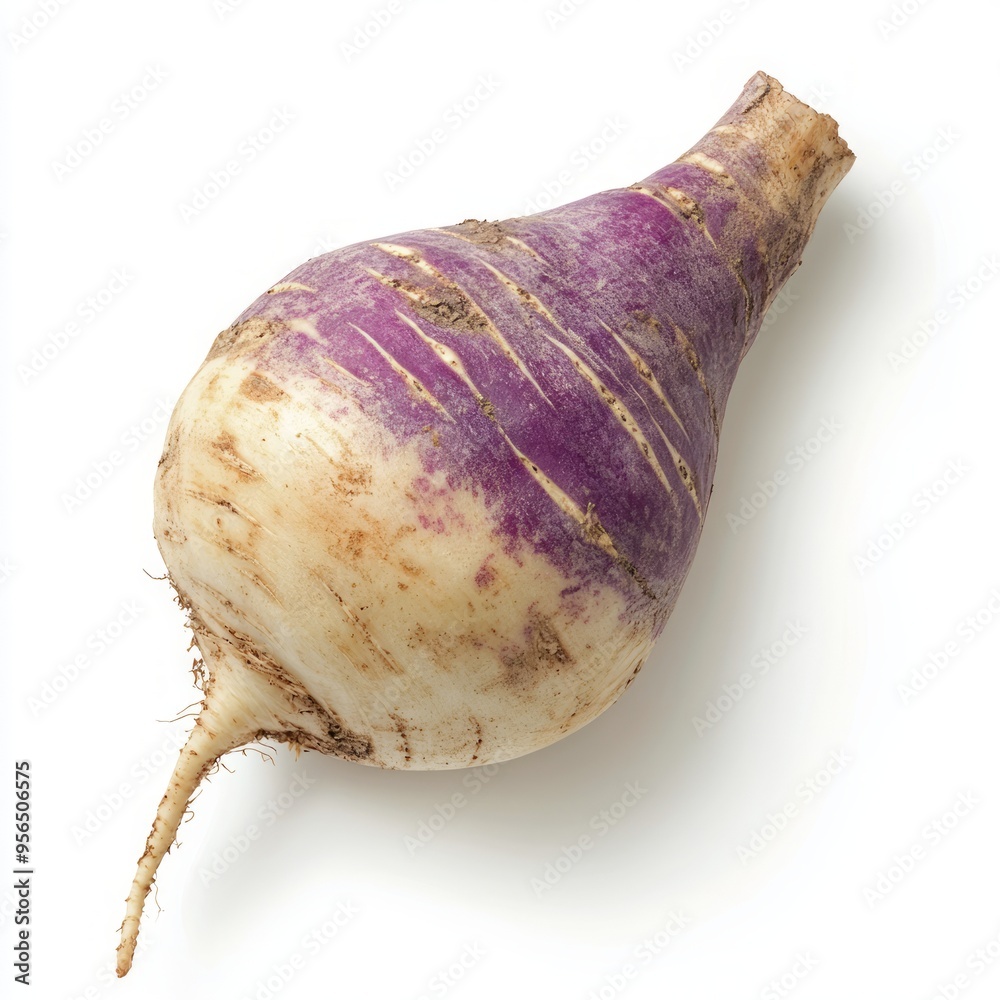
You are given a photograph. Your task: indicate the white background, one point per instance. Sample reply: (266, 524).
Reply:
(879, 549)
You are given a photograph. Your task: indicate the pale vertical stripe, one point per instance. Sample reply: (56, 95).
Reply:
(698, 159)
(679, 464)
(512, 240)
(520, 244)
(692, 356)
(619, 409)
(450, 358)
(645, 372)
(355, 619)
(675, 200)
(593, 530)
(341, 370)
(590, 526)
(299, 324)
(290, 286)
(415, 386)
(527, 297)
(420, 295)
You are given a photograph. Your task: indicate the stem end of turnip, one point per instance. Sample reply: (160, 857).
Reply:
(794, 152)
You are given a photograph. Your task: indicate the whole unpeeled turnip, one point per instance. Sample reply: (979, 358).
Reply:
(430, 499)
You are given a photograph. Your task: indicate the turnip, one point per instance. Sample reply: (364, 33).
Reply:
(430, 499)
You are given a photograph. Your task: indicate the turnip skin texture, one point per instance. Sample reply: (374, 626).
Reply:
(430, 499)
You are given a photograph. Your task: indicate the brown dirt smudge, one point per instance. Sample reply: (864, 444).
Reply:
(261, 389)
(442, 303)
(543, 651)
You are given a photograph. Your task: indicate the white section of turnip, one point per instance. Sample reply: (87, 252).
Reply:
(412, 636)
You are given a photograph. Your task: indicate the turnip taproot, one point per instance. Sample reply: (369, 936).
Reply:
(429, 501)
